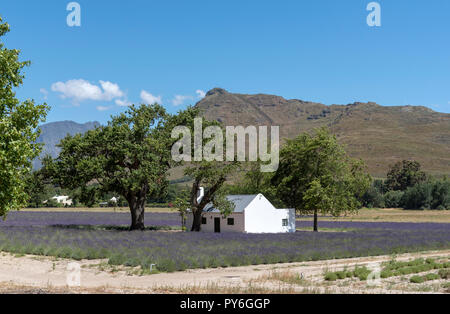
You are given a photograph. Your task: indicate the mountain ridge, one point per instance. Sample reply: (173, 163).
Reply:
(380, 135)
(52, 133)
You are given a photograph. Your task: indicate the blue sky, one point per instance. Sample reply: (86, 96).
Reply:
(171, 51)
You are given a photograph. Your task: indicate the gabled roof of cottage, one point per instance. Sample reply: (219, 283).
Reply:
(240, 203)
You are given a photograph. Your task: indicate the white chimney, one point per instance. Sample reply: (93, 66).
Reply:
(201, 194)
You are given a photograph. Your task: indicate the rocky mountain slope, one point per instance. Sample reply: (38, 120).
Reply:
(53, 133)
(380, 135)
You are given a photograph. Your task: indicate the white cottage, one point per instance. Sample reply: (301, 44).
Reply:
(252, 214)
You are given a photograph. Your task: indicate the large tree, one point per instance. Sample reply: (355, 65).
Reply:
(207, 168)
(211, 176)
(130, 156)
(316, 175)
(18, 130)
(404, 174)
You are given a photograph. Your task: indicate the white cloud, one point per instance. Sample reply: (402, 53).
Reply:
(103, 108)
(81, 90)
(123, 103)
(200, 93)
(180, 99)
(44, 92)
(111, 90)
(149, 98)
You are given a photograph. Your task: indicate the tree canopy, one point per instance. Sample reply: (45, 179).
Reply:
(316, 175)
(130, 156)
(210, 173)
(404, 174)
(19, 122)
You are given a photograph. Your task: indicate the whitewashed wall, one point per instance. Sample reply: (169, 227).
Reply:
(262, 217)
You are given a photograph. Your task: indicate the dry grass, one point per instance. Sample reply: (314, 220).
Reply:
(393, 215)
(214, 288)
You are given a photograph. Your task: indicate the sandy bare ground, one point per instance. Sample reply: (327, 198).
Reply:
(33, 274)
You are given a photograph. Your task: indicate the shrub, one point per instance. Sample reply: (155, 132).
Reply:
(417, 279)
(330, 276)
(430, 277)
(418, 196)
(373, 198)
(428, 195)
(441, 195)
(444, 273)
(341, 274)
(362, 272)
(386, 274)
(393, 199)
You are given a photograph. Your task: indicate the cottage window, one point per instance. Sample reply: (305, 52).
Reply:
(231, 221)
(203, 220)
(285, 222)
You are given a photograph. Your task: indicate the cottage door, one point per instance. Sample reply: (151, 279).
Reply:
(217, 225)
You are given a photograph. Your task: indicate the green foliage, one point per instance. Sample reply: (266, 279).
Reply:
(393, 199)
(38, 189)
(373, 198)
(417, 279)
(361, 272)
(430, 277)
(255, 181)
(444, 273)
(341, 274)
(182, 204)
(129, 157)
(380, 185)
(433, 194)
(315, 174)
(18, 130)
(394, 268)
(404, 174)
(88, 195)
(418, 197)
(208, 174)
(50, 203)
(330, 276)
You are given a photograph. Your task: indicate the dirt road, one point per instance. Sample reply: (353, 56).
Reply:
(44, 274)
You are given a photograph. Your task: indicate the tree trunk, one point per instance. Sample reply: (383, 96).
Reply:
(316, 225)
(197, 224)
(137, 208)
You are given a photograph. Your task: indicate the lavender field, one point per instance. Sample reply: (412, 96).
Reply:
(16, 219)
(58, 234)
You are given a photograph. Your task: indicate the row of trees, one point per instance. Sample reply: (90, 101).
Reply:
(407, 186)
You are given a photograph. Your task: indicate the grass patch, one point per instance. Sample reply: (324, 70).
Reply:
(395, 268)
